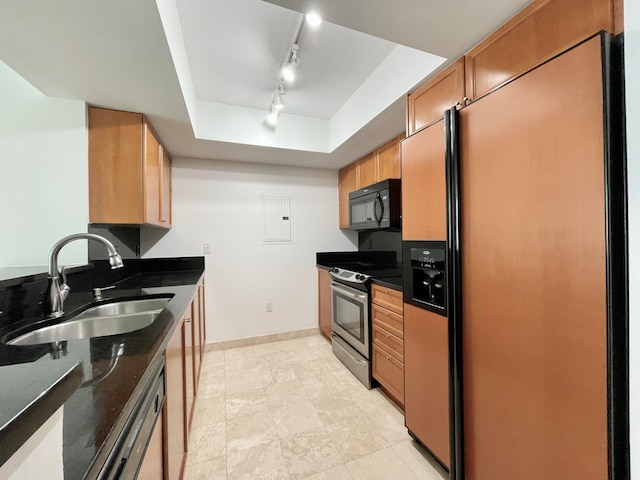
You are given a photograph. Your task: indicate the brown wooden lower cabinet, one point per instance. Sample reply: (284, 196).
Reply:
(387, 341)
(182, 368)
(324, 302)
(389, 372)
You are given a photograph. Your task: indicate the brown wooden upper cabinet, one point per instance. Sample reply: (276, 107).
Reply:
(429, 102)
(381, 164)
(129, 171)
(539, 32)
(347, 182)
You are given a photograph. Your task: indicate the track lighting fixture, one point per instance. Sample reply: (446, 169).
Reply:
(287, 72)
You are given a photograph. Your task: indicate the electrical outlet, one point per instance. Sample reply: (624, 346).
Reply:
(270, 306)
(207, 248)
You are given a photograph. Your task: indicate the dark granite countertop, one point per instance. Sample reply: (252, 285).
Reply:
(390, 282)
(381, 266)
(97, 408)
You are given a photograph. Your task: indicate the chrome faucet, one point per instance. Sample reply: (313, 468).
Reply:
(56, 291)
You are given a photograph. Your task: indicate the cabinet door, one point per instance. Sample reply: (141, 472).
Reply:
(347, 182)
(424, 207)
(175, 443)
(324, 302)
(428, 103)
(197, 340)
(165, 191)
(389, 372)
(152, 181)
(426, 364)
(367, 170)
(115, 166)
(389, 160)
(203, 323)
(189, 378)
(539, 32)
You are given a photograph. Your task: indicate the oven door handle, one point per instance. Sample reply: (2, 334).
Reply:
(361, 298)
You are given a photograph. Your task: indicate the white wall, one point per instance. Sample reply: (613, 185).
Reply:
(219, 203)
(632, 80)
(43, 173)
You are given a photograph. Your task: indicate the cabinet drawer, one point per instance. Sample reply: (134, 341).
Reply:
(390, 342)
(389, 372)
(387, 298)
(390, 321)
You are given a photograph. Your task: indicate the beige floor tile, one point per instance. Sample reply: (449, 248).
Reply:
(295, 418)
(346, 378)
(277, 373)
(355, 438)
(209, 410)
(309, 453)
(232, 355)
(263, 462)
(212, 384)
(381, 465)
(317, 385)
(390, 426)
(341, 472)
(419, 462)
(316, 341)
(207, 443)
(308, 368)
(241, 365)
(335, 407)
(250, 431)
(215, 469)
(243, 381)
(246, 403)
(281, 394)
(210, 359)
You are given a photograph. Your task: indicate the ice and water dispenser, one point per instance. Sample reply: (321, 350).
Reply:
(424, 274)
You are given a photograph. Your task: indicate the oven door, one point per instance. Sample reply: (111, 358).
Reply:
(350, 317)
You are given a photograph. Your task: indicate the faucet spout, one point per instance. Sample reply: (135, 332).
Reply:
(57, 292)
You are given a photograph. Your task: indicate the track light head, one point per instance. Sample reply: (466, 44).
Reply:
(272, 118)
(288, 73)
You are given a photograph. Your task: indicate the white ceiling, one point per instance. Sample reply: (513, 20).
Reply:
(210, 67)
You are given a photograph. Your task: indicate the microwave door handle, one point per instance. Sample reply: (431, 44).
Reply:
(375, 209)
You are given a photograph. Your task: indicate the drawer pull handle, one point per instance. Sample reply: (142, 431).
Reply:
(388, 358)
(386, 291)
(387, 336)
(386, 313)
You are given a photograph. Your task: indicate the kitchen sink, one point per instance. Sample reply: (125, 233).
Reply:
(99, 321)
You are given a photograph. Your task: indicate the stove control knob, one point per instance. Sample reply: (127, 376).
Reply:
(359, 277)
(334, 270)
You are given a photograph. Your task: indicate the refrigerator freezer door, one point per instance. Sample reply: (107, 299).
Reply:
(426, 390)
(534, 275)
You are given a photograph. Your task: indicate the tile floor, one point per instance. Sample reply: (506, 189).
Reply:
(291, 410)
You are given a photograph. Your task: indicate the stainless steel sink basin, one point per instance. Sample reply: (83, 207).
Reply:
(99, 321)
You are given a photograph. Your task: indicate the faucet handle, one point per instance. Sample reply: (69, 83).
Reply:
(64, 288)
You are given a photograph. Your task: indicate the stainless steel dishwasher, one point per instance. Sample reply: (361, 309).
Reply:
(127, 455)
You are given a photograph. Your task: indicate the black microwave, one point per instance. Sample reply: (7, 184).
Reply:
(376, 207)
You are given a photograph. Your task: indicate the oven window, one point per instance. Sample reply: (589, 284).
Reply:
(349, 315)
